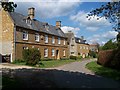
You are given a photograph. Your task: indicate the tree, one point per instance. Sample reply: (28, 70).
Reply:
(109, 45)
(8, 6)
(111, 11)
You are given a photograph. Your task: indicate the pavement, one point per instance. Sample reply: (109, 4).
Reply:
(73, 75)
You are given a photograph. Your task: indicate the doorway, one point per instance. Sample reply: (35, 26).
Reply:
(57, 54)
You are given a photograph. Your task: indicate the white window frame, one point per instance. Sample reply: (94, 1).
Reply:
(59, 40)
(53, 39)
(37, 37)
(46, 38)
(25, 33)
(45, 52)
(63, 52)
(64, 42)
(53, 52)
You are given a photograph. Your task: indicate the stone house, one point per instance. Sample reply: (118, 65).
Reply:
(94, 47)
(77, 46)
(72, 45)
(20, 32)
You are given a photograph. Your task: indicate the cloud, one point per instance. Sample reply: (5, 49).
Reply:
(103, 37)
(91, 25)
(65, 29)
(48, 8)
(110, 34)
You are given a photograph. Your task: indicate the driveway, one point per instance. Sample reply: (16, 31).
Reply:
(73, 75)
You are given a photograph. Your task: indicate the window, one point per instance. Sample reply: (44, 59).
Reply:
(37, 37)
(64, 41)
(53, 40)
(53, 52)
(28, 21)
(25, 47)
(32, 46)
(58, 40)
(46, 38)
(25, 35)
(45, 52)
(47, 27)
(72, 52)
(80, 47)
(63, 52)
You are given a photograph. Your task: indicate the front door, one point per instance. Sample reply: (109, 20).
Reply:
(57, 54)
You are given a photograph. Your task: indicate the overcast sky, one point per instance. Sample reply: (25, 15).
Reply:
(72, 14)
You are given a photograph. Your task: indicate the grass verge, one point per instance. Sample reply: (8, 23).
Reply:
(103, 71)
(50, 64)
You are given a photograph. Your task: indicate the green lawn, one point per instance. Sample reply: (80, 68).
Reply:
(103, 71)
(50, 64)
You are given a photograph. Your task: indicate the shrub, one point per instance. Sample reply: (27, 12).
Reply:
(93, 54)
(79, 57)
(73, 57)
(105, 57)
(31, 56)
(115, 63)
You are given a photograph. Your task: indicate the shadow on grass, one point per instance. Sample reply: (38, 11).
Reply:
(104, 71)
(52, 78)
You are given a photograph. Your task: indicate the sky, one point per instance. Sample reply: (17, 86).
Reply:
(72, 14)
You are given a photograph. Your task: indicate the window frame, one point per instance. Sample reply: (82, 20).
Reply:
(53, 40)
(25, 33)
(59, 40)
(46, 39)
(46, 52)
(38, 37)
(53, 52)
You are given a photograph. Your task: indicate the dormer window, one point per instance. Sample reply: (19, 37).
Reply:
(28, 21)
(47, 27)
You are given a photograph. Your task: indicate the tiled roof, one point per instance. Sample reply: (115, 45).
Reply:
(81, 40)
(20, 20)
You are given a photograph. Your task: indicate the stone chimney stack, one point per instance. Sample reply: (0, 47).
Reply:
(58, 24)
(31, 12)
(82, 37)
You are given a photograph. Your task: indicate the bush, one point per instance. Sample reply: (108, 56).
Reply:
(93, 54)
(31, 56)
(105, 57)
(115, 63)
(73, 57)
(79, 57)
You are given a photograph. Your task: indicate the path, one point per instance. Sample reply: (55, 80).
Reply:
(73, 75)
(77, 67)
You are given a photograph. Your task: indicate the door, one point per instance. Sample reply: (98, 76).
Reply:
(57, 54)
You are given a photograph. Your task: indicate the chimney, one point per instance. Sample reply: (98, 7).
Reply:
(31, 12)
(82, 37)
(58, 24)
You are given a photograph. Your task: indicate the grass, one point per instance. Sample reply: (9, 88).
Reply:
(50, 64)
(103, 71)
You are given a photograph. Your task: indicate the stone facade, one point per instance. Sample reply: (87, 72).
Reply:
(7, 33)
(83, 50)
(77, 46)
(12, 42)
